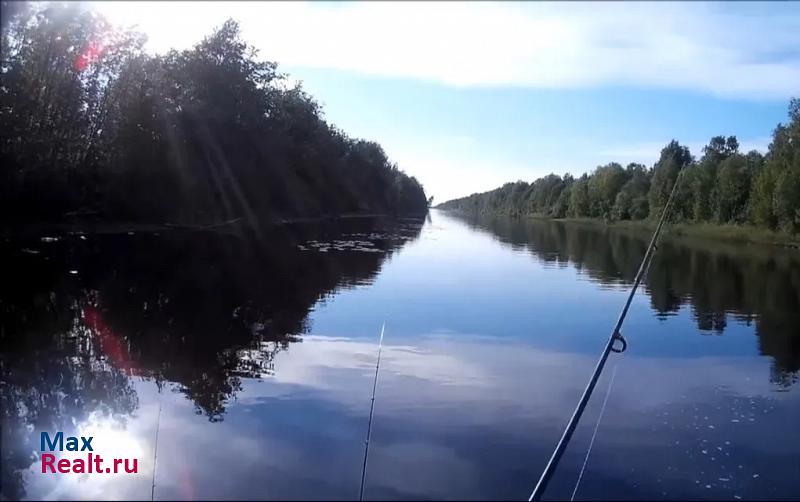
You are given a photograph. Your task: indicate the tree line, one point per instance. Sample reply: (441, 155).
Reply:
(724, 186)
(92, 124)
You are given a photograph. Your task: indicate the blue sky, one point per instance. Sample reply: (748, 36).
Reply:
(467, 96)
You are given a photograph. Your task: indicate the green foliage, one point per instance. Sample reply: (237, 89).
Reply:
(561, 206)
(604, 185)
(775, 201)
(92, 123)
(674, 158)
(543, 194)
(786, 199)
(762, 211)
(700, 180)
(631, 200)
(723, 187)
(579, 201)
(733, 189)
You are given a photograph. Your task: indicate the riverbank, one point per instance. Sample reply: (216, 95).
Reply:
(729, 233)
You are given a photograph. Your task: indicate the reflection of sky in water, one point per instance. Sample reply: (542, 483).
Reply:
(485, 355)
(457, 418)
(455, 279)
(110, 440)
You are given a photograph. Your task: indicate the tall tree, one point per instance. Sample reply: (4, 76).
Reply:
(631, 201)
(776, 188)
(579, 200)
(673, 159)
(604, 185)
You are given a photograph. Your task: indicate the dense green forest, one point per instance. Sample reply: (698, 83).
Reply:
(724, 186)
(93, 125)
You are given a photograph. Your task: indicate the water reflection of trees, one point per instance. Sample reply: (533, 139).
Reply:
(200, 310)
(753, 284)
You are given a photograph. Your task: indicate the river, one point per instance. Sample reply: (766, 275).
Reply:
(251, 357)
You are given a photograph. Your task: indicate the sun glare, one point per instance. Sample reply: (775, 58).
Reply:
(111, 439)
(166, 24)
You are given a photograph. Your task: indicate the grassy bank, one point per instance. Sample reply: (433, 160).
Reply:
(730, 233)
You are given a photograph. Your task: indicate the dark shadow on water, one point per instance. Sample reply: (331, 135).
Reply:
(82, 315)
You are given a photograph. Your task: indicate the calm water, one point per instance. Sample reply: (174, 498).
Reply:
(253, 356)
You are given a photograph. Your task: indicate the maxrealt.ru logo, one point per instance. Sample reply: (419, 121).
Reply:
(91, 463)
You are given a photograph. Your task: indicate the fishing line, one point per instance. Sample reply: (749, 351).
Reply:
(371, 410)
(616, 335)
(594, 434)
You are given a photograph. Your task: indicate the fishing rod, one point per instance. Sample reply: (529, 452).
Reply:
(616, 334)
(371, 409)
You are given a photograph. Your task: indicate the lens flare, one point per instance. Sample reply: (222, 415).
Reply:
(91, 52)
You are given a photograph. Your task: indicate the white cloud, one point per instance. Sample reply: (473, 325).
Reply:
(735, 50)
(454, 368)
